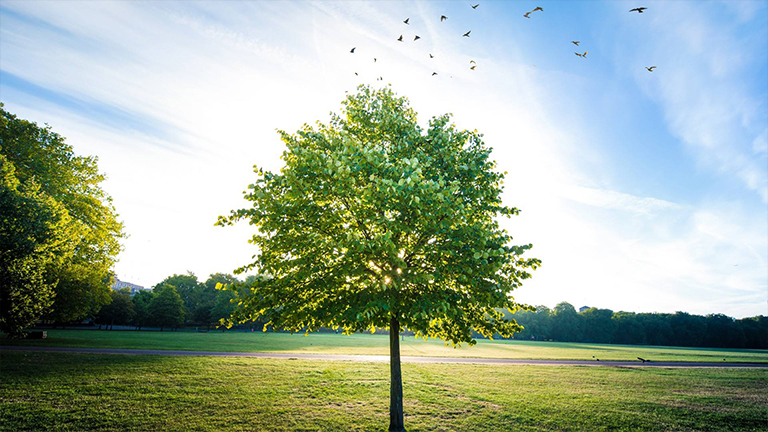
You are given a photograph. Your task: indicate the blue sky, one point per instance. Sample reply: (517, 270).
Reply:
(640, 191)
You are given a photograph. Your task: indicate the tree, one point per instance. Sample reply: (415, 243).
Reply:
(141, 302)
(44, 162)
(223, 307)
(119, 311)
(167, 308)
(218, 301)
(374, 222)
(598, 325)
(566, 323)
(628, 329)
(33, 237)
(188, 287)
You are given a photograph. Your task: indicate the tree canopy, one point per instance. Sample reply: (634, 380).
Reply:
(42, 172)
(564, 324)
(167, 307)
(375, 222)
(33, 236)
(373, 217)
(120, 310)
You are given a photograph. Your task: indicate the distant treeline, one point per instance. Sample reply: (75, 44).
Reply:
(182, 300)
(179, 300)
(565, 324)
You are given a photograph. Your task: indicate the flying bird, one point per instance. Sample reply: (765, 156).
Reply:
(374, 59)
(475, 6)
(434, 73)
(355, 73)
(581, 55)
(443, 18)
(431, 56)
(406, 21)
(538, 9)
(575, 42)
(400, 38)
(417, 37)
(642, 359)
(650, 69)
(473, 67)
(467, 33)
(527, 15)
(639, 10)
(472, 61)
(352, 50)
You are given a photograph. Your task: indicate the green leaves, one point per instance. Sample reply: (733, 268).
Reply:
(84, 231)
(373, 217)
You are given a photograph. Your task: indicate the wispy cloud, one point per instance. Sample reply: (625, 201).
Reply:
(615, 200)
(706, 84)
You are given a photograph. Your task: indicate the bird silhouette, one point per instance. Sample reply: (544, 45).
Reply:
(472, 61)
(538, 9)
(355, 73)
(575, 42)
(434, 73)
(431, 56)
(417, 37)
(443, 18)
(650, 69)
(374, 59)
(400, 38)
(406, 21)
(352, 50)
(473, 67)
(475, 6)
(581, 55)
(467, 33)
(639, 10)
(527, 15)
(642, 359)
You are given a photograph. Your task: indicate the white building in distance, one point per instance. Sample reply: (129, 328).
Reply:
(118, 285)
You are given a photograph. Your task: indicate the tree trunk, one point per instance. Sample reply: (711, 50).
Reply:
(396, 385)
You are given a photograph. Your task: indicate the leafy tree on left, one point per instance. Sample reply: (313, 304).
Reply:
(59, 232)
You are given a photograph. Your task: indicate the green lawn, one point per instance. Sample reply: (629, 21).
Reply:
(58, 391)
(379, 345)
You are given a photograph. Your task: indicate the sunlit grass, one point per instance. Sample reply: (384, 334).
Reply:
(367, 344)
(55, 391)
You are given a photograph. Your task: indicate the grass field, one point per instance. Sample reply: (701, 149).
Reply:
(56, 391)
(366, 344)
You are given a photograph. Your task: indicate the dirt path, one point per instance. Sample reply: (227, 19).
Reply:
(372, 358)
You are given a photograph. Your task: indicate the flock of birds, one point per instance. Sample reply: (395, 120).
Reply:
(472, 63)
